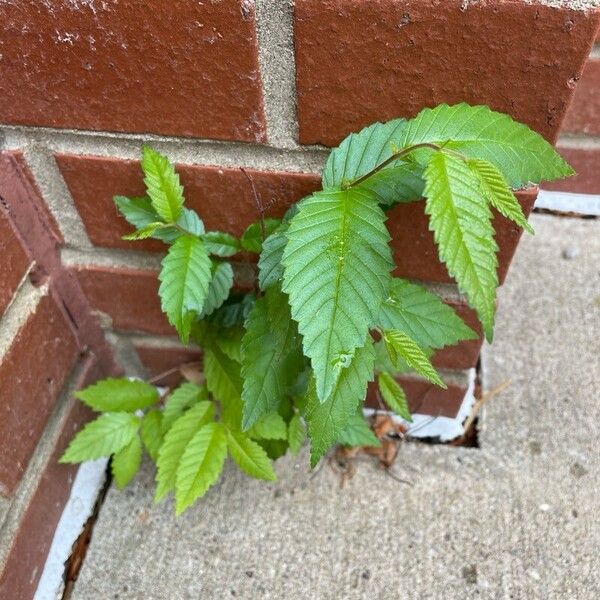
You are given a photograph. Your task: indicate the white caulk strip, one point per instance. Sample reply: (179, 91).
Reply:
(583, 204)
(444, 428)
(87, 486)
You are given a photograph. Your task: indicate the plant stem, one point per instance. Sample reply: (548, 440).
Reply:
(396, 156)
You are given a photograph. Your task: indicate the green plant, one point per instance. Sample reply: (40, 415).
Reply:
(295, 356)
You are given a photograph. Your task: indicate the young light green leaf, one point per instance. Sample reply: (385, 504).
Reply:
(327, 420)
(184, 280)
(271, 356)
(400, 345)
(115, 395)
(337, 273)
(460, 218)
(175, 443)
(218, 288)
(162, 182)
(393, 395)
(200, 465)
(249, 456)
(269, 427)
(361, 152)
(497, 192)
(221, 244)
(191, 222)
(137, 211)
(521, 155)
(252, 238)
(270, 269)
(186, 395)
(358, 433)
(423, 316)
(108, 434)
(144, 232)
(296, 433)
(152, 432)
(126, 463)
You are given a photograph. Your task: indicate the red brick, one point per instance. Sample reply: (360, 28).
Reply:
(425, 398)
(185, 68)
(415, 251)
(128, 296)
(32, 375)
(30, 546)
(19, 189)
(14, 262)
(583, 115)
(586, 161)
(359, 62)
(158, 360)
(463, 355)
(222, 196)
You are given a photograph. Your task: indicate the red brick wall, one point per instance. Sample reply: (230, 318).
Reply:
(217, 86)
(580, 134)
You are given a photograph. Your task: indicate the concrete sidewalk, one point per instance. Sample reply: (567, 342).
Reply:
(516, 518)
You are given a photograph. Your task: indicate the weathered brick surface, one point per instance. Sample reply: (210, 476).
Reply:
(222, 196)
(14, 261)
(32, 375)
(27, 555)
(586, 161)
(424, 397)
(415, 251)
(158, 360)
(584, 113)
(359, 62)
(128, 296)
(183, 68)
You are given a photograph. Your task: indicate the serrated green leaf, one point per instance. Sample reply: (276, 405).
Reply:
(522, 155)
(222, 374)
(152, 432)
(361, 152)
(252, 238)
(137, 211)
(229, 341)
(393, 395)
(337, 273)
(358, 433)
(383, 361)
(175, 443)
(145, 232)
(186, 395)
(184, 280)
(296, 433)
(270, 268)
(497, 192)
(162, 183)
(191, 222)
(327, 420)
(116, 395)
(108, 434)
(269, 427)
(200, 465)
(460, 219)
(423, 316)
(126, 463)
(218, 288)
(249, 456)
(400, 345)
(221, 244)
(271, 356)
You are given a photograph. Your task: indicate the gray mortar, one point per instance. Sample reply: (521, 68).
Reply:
(278, 70)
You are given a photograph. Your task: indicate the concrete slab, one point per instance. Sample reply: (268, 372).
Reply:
(516, 518)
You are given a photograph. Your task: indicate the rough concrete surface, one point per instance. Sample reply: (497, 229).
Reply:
(517, 518)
